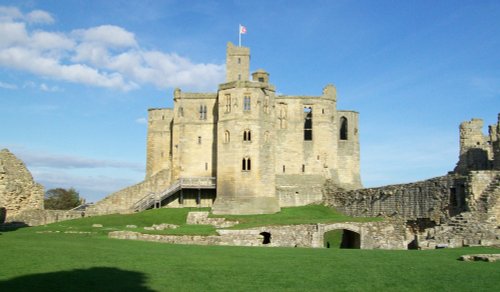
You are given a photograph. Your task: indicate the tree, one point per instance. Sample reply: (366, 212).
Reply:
(61, 199)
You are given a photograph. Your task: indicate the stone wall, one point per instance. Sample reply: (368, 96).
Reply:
(18, 191)
(123, 200)
(374, 235)
(426, 199)
(42, 217)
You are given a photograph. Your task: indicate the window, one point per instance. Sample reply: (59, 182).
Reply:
(199, 139)
(181, 112)
(227, 137)
(228, 103)
(246, 164)
(303, 168)
(239, 60)
(206, 165)
(343, 128)
(247, 136)
(308, 124)
(283, 169)
(261, 79)
(203, 112)
(246, 103)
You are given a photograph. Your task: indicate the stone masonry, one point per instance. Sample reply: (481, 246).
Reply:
(264, 150)
(18, 191)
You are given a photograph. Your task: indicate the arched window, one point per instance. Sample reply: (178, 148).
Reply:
(227, 137)
(247, 135)
(308, 131)
(246, 164)
(343, 128)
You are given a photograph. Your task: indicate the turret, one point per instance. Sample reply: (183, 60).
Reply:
(237, 63)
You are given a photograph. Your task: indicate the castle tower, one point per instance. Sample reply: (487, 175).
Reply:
(158, 141)
(245, 131)
(237, 63)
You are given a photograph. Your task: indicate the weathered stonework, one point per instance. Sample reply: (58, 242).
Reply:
(373, 235)
(264, 150)
(42, 217)
(18, 191)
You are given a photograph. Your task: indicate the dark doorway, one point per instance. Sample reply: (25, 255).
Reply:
(266, 237)
(342, 238)
(350, 239)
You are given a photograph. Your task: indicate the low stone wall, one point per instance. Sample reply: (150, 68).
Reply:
(42, 217)
(374, 235)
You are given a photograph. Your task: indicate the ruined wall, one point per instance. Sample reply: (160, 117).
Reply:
(426, 199)
(123, 200)
(475, 147)
(18, 191)
(42, 217)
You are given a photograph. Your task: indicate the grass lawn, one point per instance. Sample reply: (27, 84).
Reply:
(295, 215)
(58, 261)
(79, 262)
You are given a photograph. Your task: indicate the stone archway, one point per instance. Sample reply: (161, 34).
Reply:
(341, 235)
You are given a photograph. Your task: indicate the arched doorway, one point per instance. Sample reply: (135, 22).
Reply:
(342, 238)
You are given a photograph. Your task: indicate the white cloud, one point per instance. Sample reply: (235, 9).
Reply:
(39, 16)
(103, 56)
(107, 35)
(5, 85)
(9, 13)
(45, 87)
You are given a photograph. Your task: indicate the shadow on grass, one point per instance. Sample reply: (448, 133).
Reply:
(93, 279)
(12, 226)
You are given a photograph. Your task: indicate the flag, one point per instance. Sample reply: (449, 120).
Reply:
(243, 30)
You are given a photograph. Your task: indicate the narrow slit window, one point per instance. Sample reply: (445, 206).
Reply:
(227, 137)
(308, 134)
(247, 136)
(246, 164)
(343, 128)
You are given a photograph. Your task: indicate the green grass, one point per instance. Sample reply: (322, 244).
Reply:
(295, 215)
(32, 261)
(147, 218)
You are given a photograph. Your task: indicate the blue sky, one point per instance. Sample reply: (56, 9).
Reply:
(77, 77)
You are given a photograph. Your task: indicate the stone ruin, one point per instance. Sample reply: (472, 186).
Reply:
(458, 209)
(455, 210)
(18, 191)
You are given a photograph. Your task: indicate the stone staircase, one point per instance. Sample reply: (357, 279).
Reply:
(154, 199)
(464, 229)
(487, 202)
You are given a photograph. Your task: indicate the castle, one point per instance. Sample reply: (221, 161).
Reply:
(244, 149)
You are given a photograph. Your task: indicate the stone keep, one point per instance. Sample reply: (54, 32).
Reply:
(264, 150)
(18, 191)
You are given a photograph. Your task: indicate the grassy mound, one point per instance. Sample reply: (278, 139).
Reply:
(295, 215)
(287, 216)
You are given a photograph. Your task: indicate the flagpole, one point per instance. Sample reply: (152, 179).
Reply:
(239, 35)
